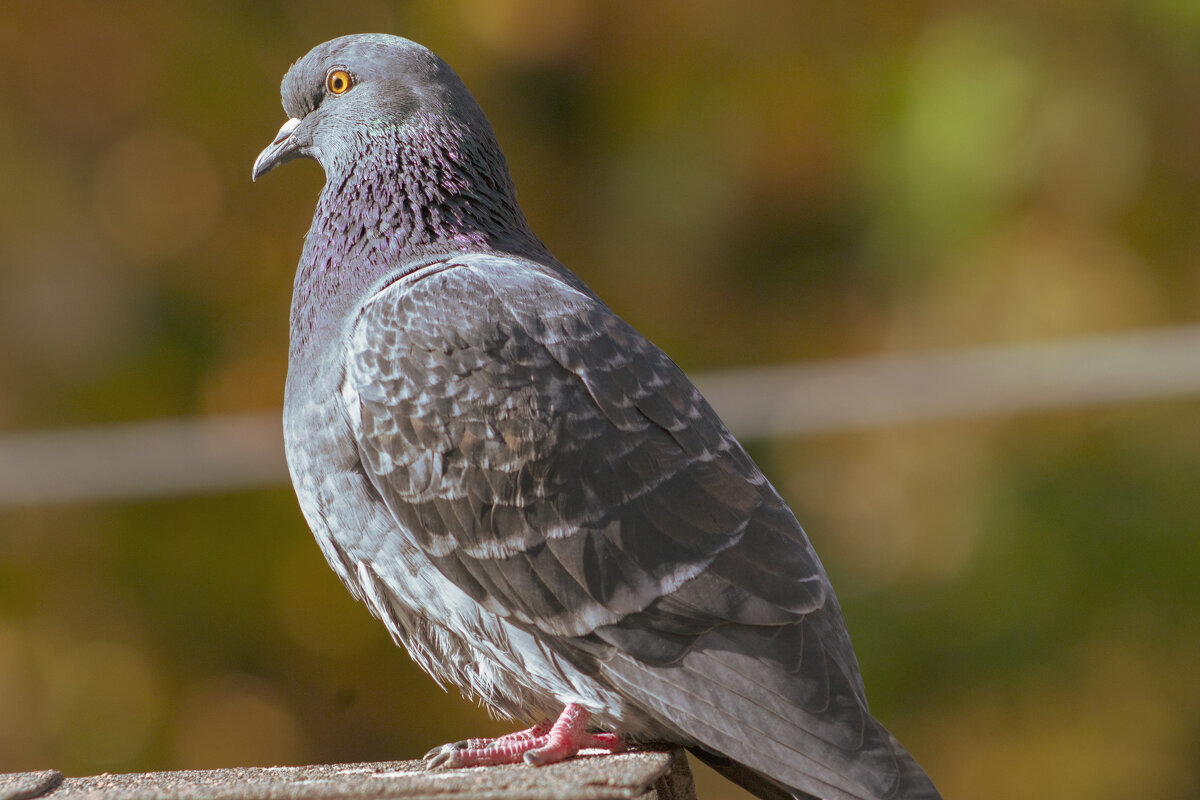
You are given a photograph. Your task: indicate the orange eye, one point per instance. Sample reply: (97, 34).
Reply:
(337, 81)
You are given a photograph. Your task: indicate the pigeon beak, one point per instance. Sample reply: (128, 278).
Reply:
(280, 151)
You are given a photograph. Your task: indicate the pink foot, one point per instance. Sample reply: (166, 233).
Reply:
(541, 744)
(537, 731)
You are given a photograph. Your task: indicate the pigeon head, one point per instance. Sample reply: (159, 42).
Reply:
(407, 152)
(412, 169)
(353, 89)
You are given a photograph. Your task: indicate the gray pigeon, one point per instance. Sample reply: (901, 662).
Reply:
(531, 496)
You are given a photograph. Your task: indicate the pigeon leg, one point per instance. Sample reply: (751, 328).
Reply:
(568, 736)
(541, 744)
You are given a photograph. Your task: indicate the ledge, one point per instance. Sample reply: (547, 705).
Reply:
(640, 775)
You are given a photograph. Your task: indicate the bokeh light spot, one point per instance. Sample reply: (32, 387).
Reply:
(104, 702)
(316, 610)
(156, 194)
(526, 30)
(236, 720)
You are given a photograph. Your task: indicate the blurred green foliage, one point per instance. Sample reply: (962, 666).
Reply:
(746, 182)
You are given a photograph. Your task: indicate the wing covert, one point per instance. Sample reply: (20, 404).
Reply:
(546, 456)
(565, 474)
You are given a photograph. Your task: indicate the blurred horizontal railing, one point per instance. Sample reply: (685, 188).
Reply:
(209, 454)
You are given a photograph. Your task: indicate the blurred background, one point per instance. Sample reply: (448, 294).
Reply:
(748, 183)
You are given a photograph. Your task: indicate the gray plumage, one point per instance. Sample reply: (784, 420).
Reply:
(530, 495)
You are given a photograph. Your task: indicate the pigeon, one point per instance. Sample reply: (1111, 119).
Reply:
(534, 499)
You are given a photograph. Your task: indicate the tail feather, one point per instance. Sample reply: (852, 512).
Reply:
(914, 784)
(753, 782)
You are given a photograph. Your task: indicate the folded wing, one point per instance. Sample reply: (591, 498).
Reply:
(564, 473)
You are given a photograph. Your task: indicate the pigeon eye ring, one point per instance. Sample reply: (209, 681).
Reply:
(338, 81)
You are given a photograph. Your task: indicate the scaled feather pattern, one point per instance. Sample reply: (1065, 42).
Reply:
(532, 497)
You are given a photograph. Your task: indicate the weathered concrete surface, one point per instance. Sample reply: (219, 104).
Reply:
(643, 775)
(24, 785)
